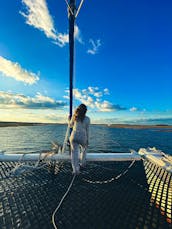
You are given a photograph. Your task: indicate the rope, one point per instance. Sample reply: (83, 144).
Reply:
(64, 196)
(23, 168)
(168, 157)
(93, 182)
(112, 179)
(18, 165)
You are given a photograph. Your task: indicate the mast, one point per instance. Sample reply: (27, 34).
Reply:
(72, 5)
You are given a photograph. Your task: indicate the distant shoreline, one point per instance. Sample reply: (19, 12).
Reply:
(123, 126)
(15, 124)
(166, 128)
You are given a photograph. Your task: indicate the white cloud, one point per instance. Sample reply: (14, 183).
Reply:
(92, 97)
(132, 109)
(15, 71)
(77, 34)
(10, 100)
(95, 46)
(66, 96)
(92, 90)
(98, 94)
(38, 16)
(106, 106)
(61, 40)
(106, 91)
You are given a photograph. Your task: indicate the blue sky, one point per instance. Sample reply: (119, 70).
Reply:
(123, 61)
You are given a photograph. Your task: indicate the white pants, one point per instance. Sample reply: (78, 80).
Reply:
(75, 153)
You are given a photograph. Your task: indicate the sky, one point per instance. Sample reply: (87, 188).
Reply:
(123, 61)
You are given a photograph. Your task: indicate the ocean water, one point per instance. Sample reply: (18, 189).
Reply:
(32, 139)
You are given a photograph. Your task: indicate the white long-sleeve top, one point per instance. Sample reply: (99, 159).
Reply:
(80, 132)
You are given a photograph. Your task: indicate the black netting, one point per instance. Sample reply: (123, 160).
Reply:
(105, 195)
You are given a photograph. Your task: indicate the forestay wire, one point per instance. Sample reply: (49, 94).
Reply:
(77, 12)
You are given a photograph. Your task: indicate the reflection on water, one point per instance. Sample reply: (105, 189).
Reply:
(28, 139)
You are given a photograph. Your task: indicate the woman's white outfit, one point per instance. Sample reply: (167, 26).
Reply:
(79, 139)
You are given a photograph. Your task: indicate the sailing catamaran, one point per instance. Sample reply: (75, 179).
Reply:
(157, 166)
(72, 14)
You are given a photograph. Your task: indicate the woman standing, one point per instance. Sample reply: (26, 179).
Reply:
(79, 137)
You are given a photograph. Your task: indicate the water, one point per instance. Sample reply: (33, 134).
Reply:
(31, 139)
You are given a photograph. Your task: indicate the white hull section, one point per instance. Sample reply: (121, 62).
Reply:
(152, 154)
(66, 157)
(157, 157)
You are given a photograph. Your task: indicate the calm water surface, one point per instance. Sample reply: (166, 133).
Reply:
(31, 139)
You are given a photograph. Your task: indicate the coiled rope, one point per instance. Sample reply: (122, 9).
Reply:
(21, 168)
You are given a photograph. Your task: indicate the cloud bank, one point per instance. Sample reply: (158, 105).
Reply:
(92, 97)
(15, 71)
(10, 100)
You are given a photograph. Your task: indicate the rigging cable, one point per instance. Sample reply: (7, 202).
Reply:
(69, 7)
(66, 138)
(79, 8)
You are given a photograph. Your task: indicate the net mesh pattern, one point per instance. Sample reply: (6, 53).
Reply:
(105, 195)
